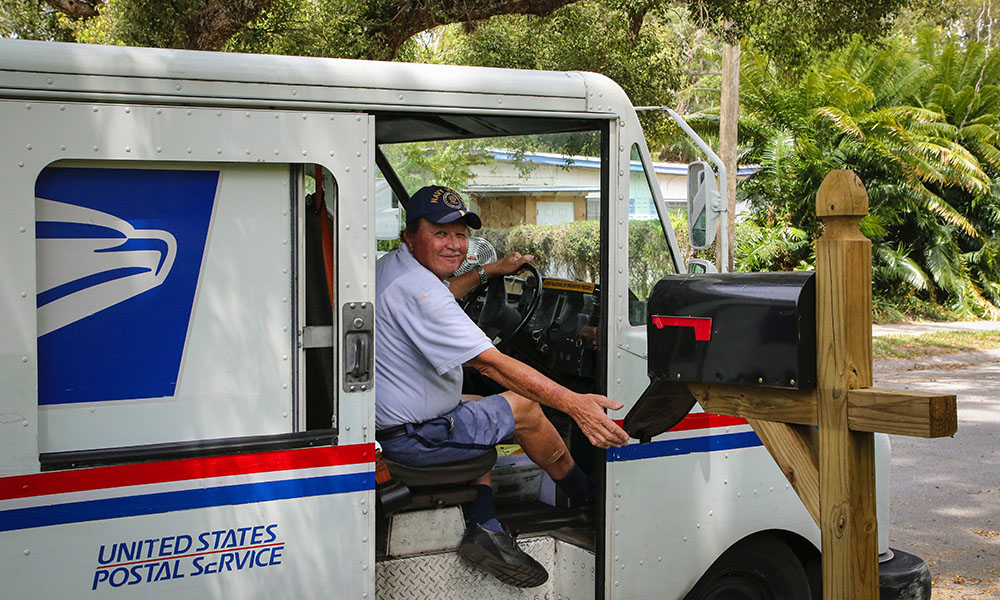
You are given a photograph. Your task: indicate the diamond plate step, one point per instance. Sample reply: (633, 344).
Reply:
(444, 577)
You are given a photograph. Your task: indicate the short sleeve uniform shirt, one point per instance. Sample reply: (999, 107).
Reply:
(422, 338)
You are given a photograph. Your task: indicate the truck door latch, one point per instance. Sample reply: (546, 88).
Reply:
(358, 325)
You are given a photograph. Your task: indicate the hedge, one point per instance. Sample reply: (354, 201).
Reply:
(572, 250)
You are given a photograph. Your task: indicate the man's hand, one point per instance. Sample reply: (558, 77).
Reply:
(586, 409)
(588, 412)
(468, 281)
(509, 264)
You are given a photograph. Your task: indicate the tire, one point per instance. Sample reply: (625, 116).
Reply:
(904, 577)
(761, 567)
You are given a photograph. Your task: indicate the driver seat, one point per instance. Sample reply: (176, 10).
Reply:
(446, 484)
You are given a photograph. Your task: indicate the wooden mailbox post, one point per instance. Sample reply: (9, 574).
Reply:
(823, 439)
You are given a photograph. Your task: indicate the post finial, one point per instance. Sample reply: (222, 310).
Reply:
(841, 195)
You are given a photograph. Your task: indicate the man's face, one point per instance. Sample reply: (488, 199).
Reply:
(440, 247)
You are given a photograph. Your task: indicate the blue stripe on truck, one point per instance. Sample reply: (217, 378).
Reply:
(149, 504)
(709, 443)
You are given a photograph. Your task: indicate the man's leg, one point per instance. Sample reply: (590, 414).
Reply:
(481, 510)
(485, 544)
(538, 437)
(546, 448)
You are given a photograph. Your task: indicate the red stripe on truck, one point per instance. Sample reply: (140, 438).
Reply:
(701, 421)
(76, 480)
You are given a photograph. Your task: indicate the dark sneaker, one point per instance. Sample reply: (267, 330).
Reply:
(497, 553)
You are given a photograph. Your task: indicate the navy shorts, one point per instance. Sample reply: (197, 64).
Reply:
(471, 429)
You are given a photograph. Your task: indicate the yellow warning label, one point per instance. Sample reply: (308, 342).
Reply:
(572, 286)
(509, 449)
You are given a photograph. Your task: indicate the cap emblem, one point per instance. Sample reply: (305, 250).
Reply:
(449, 198)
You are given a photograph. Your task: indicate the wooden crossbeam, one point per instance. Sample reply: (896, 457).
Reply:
(916, 414)
(768, 404)
(873, 410)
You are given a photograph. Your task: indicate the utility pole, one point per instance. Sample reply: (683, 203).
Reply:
(729, 113)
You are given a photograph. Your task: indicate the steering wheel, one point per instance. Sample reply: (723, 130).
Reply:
(499, 318)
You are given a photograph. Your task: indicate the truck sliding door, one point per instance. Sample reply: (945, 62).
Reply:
(160, 341)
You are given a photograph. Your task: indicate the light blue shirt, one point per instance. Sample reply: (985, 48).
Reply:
(422, 338)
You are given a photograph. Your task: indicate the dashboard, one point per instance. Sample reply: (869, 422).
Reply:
(561, 339)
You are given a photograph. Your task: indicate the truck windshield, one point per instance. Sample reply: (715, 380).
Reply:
(536, 194)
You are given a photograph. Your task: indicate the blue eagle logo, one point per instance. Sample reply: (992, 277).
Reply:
(97, 259)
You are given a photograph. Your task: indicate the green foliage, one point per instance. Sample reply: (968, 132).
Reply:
(648, 256)
(572, 250)
(969, 20)
(153, 23)
(340, 28)
(761, 248)
(34, 20)
(794, 32)
(441, 163)
(918, 123)
(644, 59)
(553, 256)
(299, 28)
(907, 306)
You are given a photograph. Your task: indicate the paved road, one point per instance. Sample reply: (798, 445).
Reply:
(946, 492)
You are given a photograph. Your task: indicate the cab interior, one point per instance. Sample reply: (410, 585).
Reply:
(550, 315)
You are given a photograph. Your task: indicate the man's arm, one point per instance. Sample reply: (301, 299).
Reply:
(586, 409)
(466, 282)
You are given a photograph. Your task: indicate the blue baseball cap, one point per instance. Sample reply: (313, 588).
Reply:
(439, 204)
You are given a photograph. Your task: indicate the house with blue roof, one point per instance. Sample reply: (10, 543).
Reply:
(564, 188)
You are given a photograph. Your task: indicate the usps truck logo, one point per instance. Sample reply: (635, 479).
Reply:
(118, 257)
(187, 555)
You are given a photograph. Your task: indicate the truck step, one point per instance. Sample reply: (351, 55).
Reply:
(442, 576)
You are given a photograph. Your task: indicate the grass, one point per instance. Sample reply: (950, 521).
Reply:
(933, 344)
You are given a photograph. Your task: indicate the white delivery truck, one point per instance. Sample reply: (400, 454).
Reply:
(186, 390)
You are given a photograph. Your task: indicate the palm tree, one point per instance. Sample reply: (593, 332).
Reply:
(919, 125)
(966, 92)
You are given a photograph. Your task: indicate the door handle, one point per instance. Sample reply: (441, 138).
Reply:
(360, 352)
(358, 325)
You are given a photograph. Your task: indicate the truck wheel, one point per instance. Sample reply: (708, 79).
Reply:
(758, 568)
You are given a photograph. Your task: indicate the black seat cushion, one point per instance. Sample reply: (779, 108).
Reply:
(463, 471)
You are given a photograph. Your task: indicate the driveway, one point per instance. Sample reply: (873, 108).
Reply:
(946, 492)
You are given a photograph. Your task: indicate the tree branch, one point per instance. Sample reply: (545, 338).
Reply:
(399, 20)
(635, 18)
(221, 19)
(76, 8)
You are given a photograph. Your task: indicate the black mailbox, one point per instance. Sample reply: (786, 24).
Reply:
(737, 328)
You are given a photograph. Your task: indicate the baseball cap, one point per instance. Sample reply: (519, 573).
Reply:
(439, 204)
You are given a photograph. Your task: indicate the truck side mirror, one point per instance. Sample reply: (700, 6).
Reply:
(703, 203)
(697, 266)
